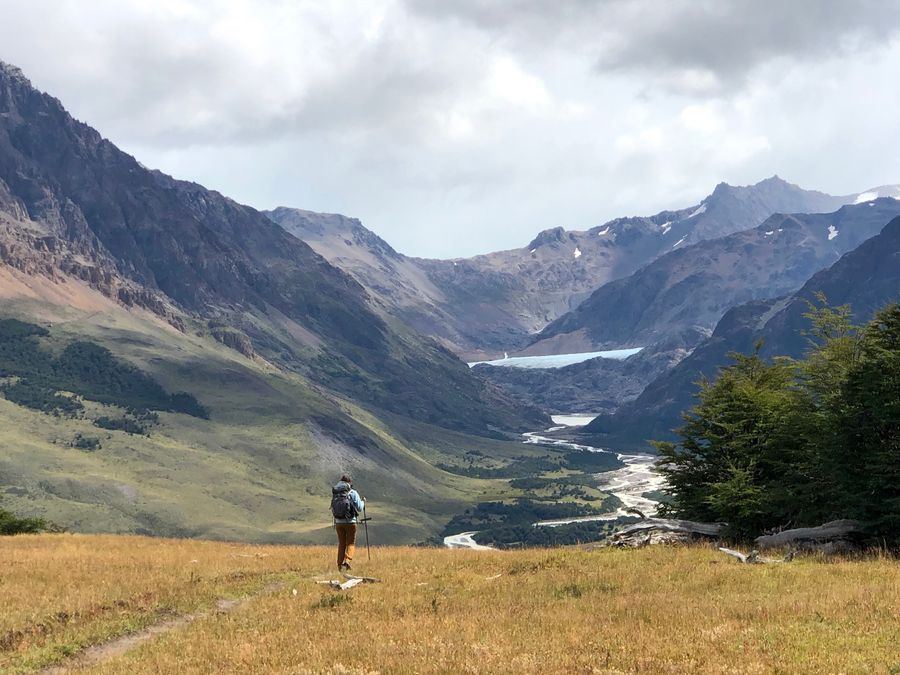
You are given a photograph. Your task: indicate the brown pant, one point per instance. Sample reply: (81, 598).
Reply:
(346, 533)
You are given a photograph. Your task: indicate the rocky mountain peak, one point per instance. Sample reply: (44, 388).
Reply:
(555, 235)
(11, 72)
(769, 186)
(317, 229)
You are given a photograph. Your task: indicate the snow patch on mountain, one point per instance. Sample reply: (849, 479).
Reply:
(700, 210)
(603, 232)
(891, 191)
(679, 242)
(832, 232)
(577, 253)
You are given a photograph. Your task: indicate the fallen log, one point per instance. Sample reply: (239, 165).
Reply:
(833, 536)
(664, 531)
(672, 525)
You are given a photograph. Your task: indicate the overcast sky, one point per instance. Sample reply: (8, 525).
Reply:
(460, 127)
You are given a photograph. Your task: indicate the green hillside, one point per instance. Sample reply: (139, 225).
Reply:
(257, 470)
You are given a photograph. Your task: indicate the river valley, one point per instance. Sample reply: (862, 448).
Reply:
(630, 484)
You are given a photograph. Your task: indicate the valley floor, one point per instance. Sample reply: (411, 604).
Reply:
(658, 610)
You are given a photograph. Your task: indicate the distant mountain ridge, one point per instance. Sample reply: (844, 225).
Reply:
(692, 287)
(866, 278)
(480, 307)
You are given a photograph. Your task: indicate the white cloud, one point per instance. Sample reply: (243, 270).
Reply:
(510, 84)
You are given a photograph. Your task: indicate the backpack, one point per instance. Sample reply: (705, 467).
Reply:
(342, 507)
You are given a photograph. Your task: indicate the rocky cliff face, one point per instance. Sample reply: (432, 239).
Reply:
(867, 278)
(76, 205)
(692, 287)
(35, 249)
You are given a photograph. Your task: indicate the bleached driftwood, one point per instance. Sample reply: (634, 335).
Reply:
(364, 580)
(752, 557)
(835, 535)
(350, 582)
(664, 531)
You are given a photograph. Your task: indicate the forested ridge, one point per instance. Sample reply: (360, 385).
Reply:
(36, 376)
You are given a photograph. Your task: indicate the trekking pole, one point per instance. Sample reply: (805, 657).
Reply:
(366, 521)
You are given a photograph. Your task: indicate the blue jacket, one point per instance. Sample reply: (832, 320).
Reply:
(357, 502)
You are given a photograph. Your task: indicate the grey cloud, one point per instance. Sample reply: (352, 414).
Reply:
(169, 83)
(408, 122)
(691, 46)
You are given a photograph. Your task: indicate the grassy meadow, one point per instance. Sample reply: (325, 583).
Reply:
(653, 610)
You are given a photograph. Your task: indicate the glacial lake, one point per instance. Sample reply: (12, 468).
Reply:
(558, 360)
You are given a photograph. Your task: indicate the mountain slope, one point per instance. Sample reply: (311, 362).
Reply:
(692, 287)
(196, 254)
(867, 278)
(397, 283)
(488, 304)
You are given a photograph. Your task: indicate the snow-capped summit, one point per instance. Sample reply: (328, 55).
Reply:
(892, 191)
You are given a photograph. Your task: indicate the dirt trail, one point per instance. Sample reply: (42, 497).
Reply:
(125, 643)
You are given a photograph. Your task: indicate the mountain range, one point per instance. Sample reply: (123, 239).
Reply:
(483, 306)
(690, 288)
(76, 205)
(739, 244)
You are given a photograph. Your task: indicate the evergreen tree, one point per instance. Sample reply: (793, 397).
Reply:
(734, 462)
(834, 350)
(867, 456)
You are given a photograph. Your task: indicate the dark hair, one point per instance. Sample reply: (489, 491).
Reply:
(346, 478)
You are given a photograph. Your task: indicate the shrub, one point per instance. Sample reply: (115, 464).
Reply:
(126, 424)
(88, 443)
(10, 524)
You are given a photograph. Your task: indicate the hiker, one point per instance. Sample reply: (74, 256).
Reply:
(346, 505)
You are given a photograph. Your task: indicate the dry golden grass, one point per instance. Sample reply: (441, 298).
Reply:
(656, 610)
(61, 592)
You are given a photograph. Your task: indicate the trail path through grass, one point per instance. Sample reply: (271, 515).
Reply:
(105, 651)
